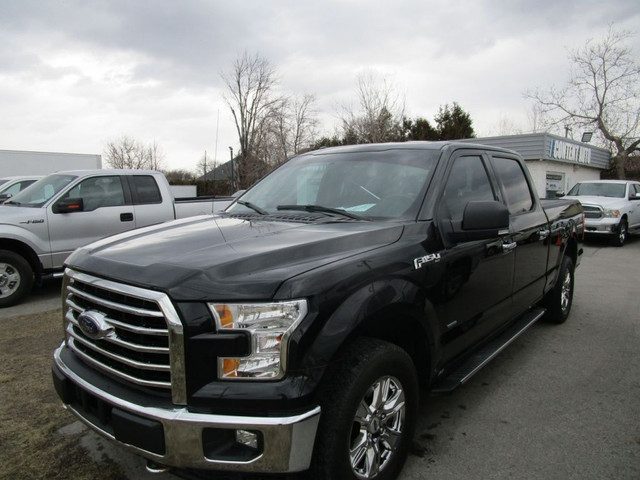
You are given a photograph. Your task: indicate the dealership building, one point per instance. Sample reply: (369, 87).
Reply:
(556, 163)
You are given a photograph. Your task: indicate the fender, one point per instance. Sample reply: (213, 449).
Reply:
(19, 239)
(366, 311)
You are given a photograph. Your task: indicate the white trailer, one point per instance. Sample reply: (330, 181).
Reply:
(21, 163)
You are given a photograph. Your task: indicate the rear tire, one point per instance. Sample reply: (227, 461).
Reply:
(369, 407)
(16, 278)
(560, 299)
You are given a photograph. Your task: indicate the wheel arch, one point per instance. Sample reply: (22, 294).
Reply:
(24, 251)
(394, 311)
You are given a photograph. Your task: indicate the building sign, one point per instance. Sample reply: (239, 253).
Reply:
(569, 152)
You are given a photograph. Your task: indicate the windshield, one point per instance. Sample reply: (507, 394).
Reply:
(37, 194)
(614, 190)
(382, 185)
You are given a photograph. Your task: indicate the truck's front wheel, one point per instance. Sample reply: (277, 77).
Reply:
(621, 236)
(16, 278)
(368, 414)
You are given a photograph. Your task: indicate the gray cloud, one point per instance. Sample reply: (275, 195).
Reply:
(151, 68)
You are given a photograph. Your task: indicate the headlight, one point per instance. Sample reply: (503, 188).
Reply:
(608, 212)
(270, 325)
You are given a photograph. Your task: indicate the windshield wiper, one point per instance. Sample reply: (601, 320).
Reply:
(11, 202)
(253, 207)
(321, 209)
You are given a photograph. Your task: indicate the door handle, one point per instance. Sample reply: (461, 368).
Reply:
(507, 247)
(544, 233)
(126, 217)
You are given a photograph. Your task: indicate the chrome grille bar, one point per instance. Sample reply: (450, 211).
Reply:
(118, 358)
(144, 342)
(114, 372)
(116, 306)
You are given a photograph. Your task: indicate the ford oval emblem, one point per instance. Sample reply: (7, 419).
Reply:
(94, 324)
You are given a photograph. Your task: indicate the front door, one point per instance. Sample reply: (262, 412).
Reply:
(105, 213)
(475, 295)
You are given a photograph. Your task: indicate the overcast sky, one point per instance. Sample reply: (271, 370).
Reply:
(75, 74)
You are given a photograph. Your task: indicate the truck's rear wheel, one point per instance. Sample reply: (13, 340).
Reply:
(16, 278)
(368, 414)
(560, 299)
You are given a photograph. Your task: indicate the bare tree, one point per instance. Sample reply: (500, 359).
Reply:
(250, 97)
(292, 126)
(603, 93)
(155, 157)
(127, 152)
(378, 117)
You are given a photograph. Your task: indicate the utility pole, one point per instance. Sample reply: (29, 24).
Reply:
(233, 175)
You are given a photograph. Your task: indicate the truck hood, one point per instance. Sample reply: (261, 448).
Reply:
(16, 215)
(222, 258)
(605, 202)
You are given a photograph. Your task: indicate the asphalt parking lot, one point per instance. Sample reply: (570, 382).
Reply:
(562, 402)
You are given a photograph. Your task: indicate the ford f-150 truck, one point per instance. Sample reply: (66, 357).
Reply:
(292, 331)
(41, 225)
(611, 208)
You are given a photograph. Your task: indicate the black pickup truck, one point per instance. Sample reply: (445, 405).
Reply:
(294, 331)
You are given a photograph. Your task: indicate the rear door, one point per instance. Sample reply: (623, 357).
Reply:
(149, 206)
(529, 230)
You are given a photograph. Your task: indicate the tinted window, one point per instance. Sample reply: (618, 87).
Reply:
(146, 189)
(516, 188)
(98, 192)
(468, 181)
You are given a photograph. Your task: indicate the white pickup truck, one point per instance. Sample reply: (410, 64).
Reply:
(43, 224)
(9, 186)
(611, 207)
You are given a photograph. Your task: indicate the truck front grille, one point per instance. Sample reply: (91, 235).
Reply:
(592, 212)
(127, 332)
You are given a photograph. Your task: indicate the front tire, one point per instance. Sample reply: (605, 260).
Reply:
(16, 278)
(369, 407)
(623, 232)
(560, 299)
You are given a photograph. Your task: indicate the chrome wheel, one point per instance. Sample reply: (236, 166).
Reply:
(10, 280)
(377, 427)
(565, 293)
(622, 233)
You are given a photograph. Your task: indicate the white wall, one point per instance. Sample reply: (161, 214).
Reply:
(572, 174)
(17, 162)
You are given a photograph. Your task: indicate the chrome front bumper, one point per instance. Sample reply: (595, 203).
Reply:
(286, 443)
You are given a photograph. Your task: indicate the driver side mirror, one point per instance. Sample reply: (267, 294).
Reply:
(69, 205)
(481, 220)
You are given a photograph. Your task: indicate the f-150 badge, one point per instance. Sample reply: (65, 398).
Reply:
(419, 262)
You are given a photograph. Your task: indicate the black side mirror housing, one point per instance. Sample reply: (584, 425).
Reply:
(69, 205)
(481, 220)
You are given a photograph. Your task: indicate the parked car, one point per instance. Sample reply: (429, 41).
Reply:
(9, 186)
(293, 330)
(611, 208)
(43, 224)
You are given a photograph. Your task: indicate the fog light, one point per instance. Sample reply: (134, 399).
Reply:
(247, 438)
